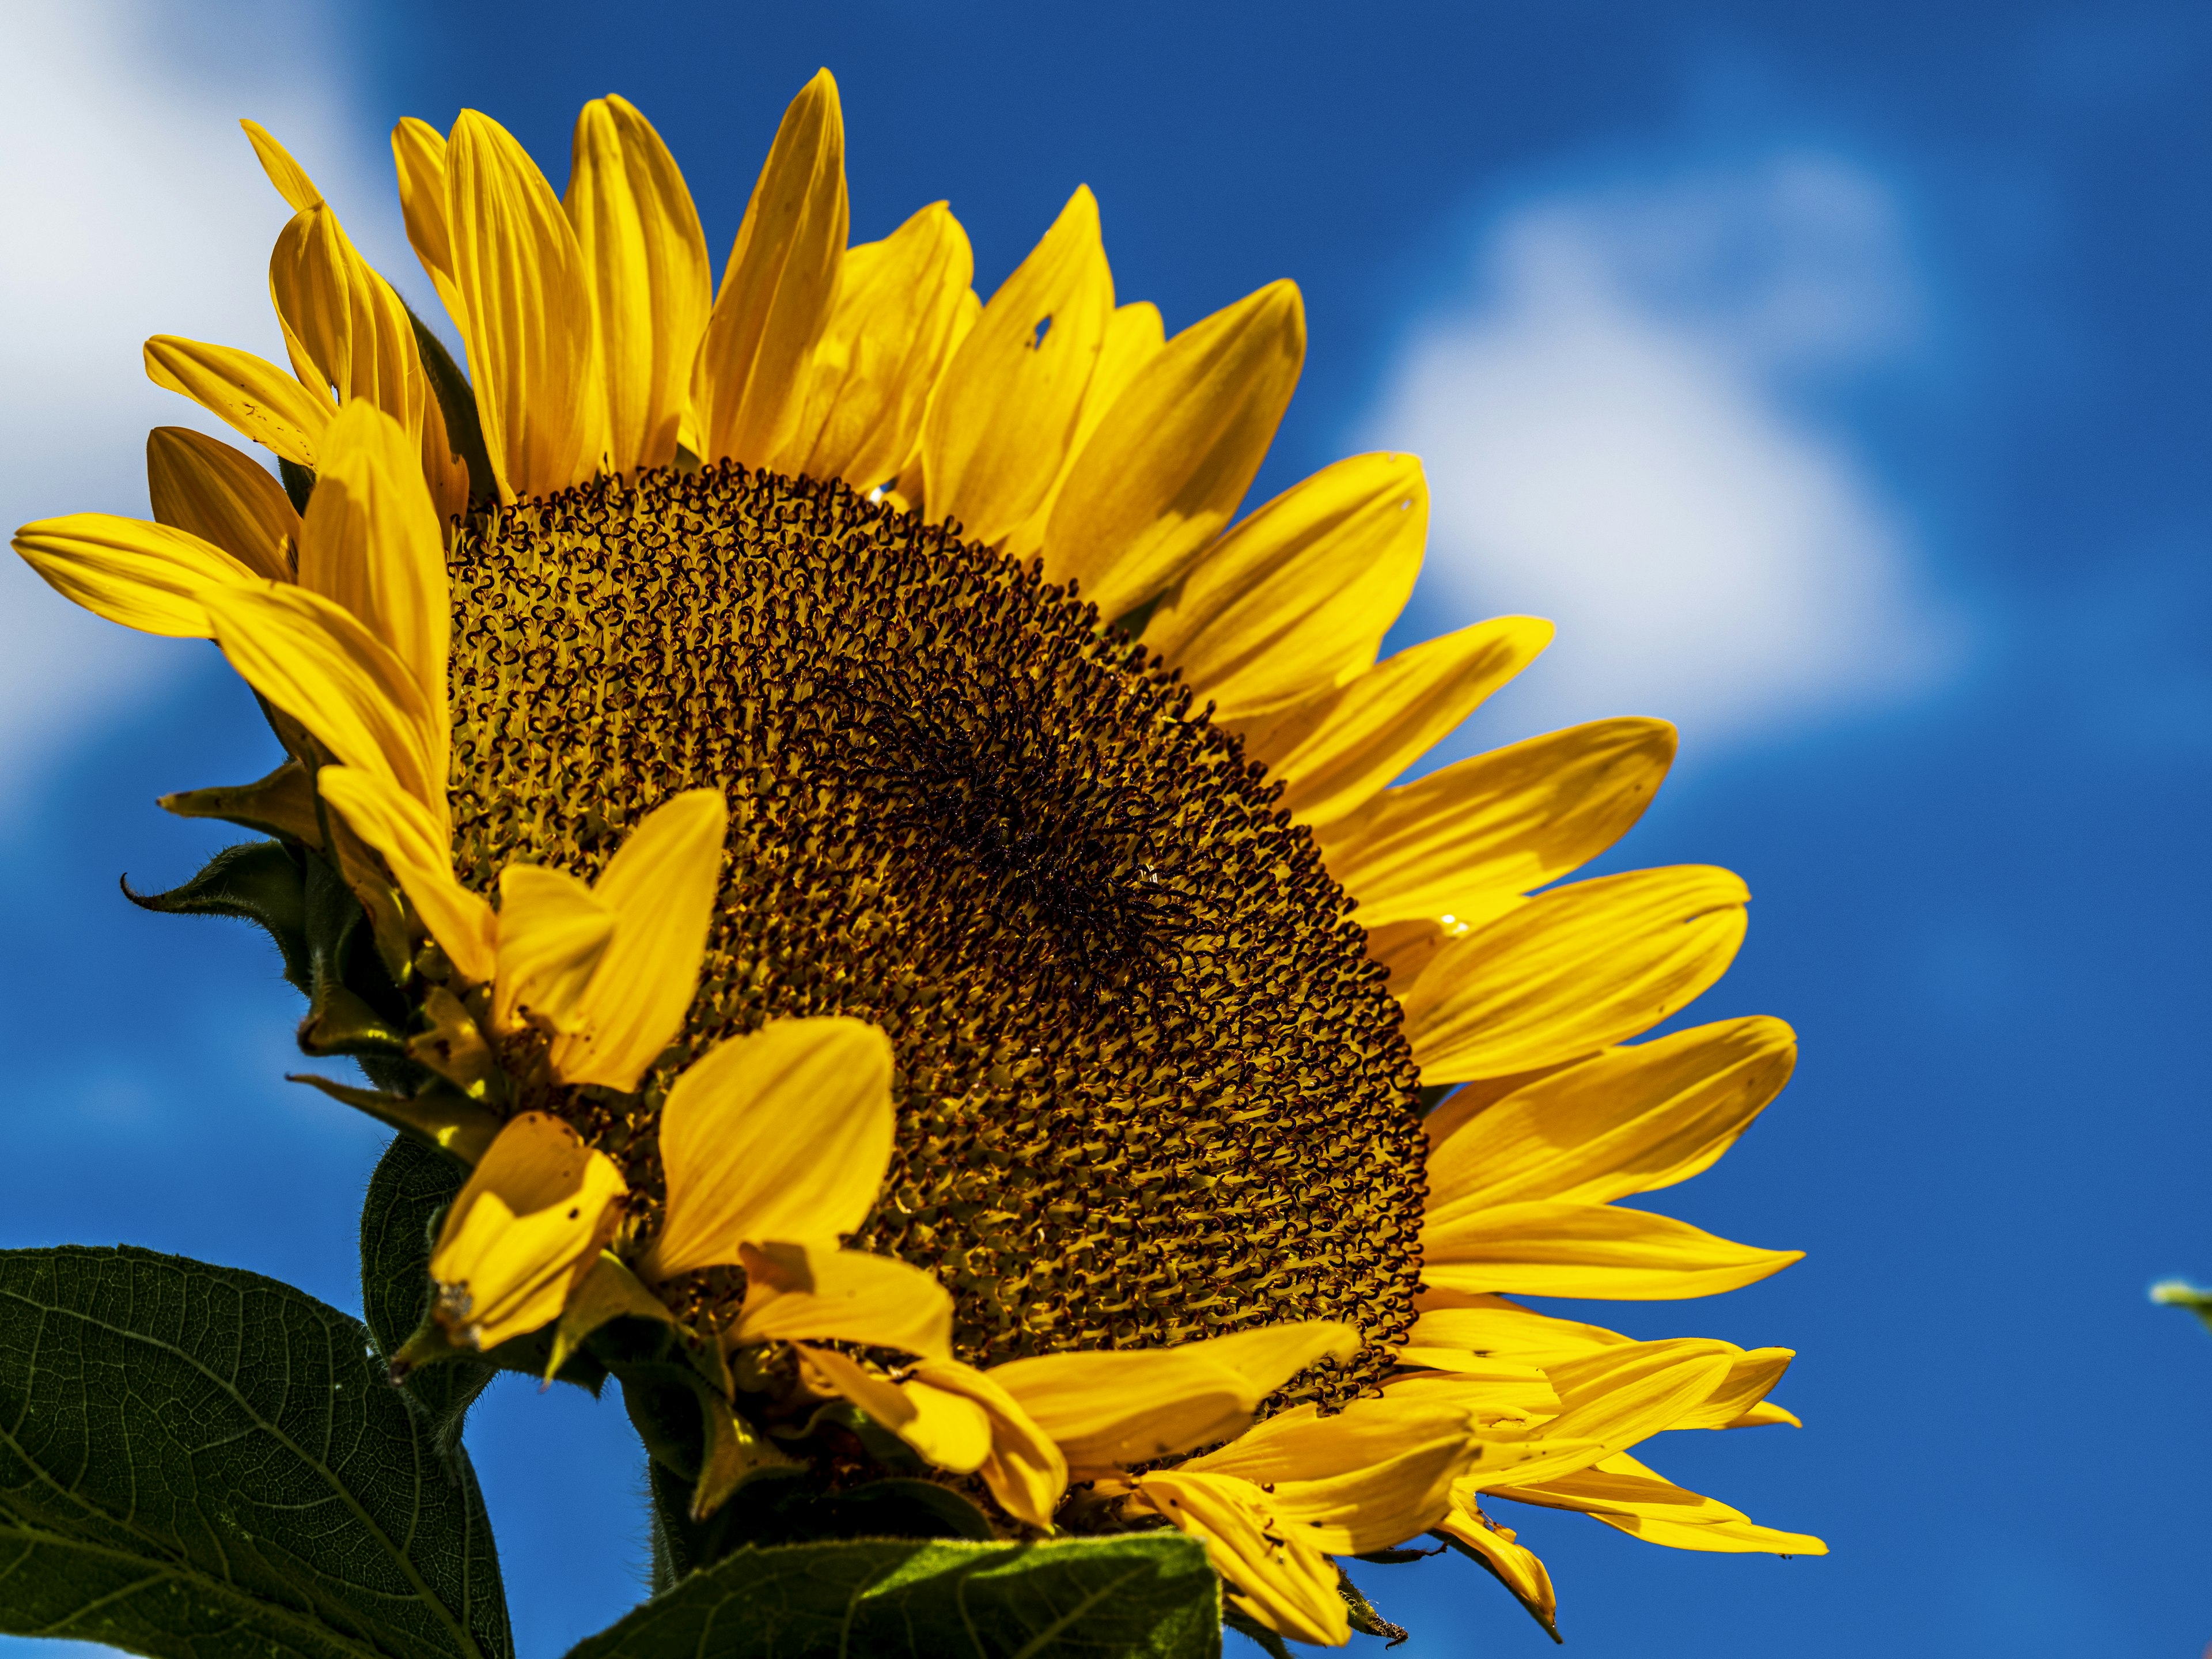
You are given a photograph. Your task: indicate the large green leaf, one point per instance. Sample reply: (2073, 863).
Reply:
(203, 1463)
(1149, 1595)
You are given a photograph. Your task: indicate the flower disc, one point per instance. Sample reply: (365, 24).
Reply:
(1151, 1088)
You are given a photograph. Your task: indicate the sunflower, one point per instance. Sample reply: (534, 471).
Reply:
(895, 891)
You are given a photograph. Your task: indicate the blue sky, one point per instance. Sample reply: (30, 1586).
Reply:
(1834, 374)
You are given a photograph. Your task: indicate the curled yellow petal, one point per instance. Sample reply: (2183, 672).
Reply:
(526, 305)
(779, 286)
(1024, 1468)
(1335, 750)
(1624, 1121)
(1295, 600)
(418, 157)
(901, 310)
(222, 495)
(1464, 840)
(1271, 1572)
(1172, 461)
(652, 285)
(1640, 1502)
(950, 1430)
(781, 1135)
(526, 1227)
(1548, 1247)
(1512, 1563)
(1129, 1406)
(1365, 1478)
(314, 660)
(660, 886)
(553, 930)
(849, 1296)
(1000, 427)
(415, 848)
(255, 396)
(373, 544)
(1627, 1394)
(1574, 970)
(147, 577)
(1744, 1537)
(344, 326)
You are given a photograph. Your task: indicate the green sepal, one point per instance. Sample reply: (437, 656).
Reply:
(281, 803)
(298, 484)
(439, 1117)
(1398, 1557)
(353, 1005)
(1245, 1625)
(608, 1291)
(1362, 1615)
(407, 1198)
(458, 403)
(203, 1463)
(1144, 1595)
(262, 881)
(684, 1413)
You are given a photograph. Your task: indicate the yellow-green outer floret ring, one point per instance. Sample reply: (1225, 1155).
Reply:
(1151, 1087)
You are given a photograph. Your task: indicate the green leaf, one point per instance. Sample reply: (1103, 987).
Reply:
(1149, 1593)
(1244, 1625)
(201, 1463)
(410, 1191)
(263, 882)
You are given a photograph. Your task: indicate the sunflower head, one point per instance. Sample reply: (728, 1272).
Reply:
(896, 898)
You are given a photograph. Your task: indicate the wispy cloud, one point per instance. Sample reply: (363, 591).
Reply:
(1613, 415)
(134, 207)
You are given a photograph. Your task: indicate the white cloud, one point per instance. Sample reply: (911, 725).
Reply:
(1609, 417)
(134, 206)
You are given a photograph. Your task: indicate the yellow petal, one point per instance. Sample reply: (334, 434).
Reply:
(1573, 970)
(1548, 1247)
(526, 302)
(417, 851)
(652, 283)
(317, 663)
(1752, 1374)
(200, 485)
(1024, 1469)
(1622, 1485)
(525, 1228)
(255, 396)
(1271, 1573)
(552, 932)
(1512, 1563)
(660, 887)
(1626, 1120)
(1363, 1478)
(373, 544)
(949, 1430)
(1465, 839)
(287, 175)
(1627, 1394)
(1134, 336)
(1294, 601)
(1488, 1387)
(873, 1300)
(1128, 1406)
(345, 327)
(1000, 426)
(418, 156)
(1728, 1537)
(901, 310)
(1173, 457)
(780, 286)
(780, 1135)
(1492, 1326)
(1337, 750)
(146, 576)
